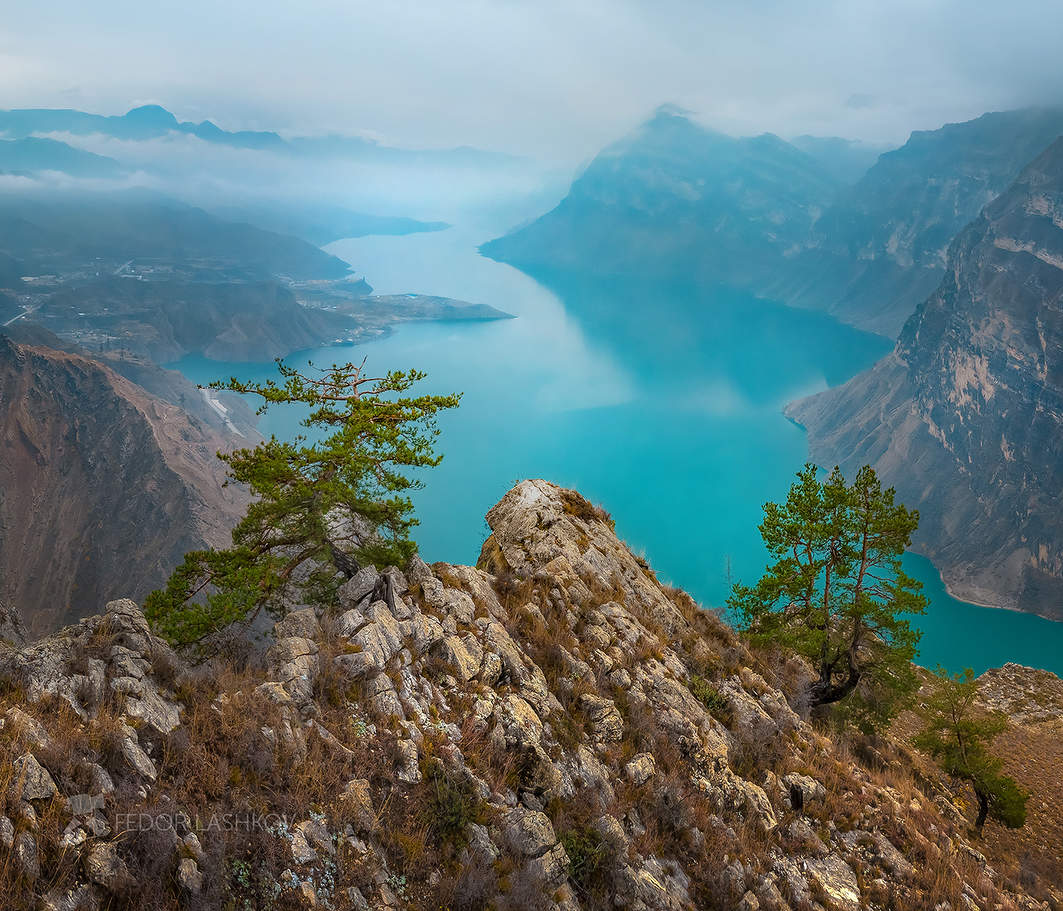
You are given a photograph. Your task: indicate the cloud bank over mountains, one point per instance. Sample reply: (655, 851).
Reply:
(545, 78)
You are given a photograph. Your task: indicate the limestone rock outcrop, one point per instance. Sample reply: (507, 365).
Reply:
(532, 732)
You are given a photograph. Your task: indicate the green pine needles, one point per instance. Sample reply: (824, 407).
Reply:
(836, 593)
(959, 737)
(329, 505)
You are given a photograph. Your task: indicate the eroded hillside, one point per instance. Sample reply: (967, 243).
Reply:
(551, 729)
(103, 486)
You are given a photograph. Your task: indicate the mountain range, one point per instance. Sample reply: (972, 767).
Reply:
(965, 416)
(152, 121)
(776, 217)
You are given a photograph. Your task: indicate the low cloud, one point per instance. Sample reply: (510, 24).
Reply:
(546, 78)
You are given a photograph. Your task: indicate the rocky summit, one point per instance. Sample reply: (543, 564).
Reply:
(553, 728)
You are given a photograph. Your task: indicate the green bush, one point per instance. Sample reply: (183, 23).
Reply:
(715, 702)
(452, 804)
(589, 859)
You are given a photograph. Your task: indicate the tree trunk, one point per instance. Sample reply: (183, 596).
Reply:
(983, 810)
(343, 561)
(823, 692)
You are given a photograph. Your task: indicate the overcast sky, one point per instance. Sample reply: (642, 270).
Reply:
(555, 79)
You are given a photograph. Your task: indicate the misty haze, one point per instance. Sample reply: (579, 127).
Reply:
(531, 456)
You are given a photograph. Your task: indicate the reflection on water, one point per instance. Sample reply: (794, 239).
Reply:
(661, 403)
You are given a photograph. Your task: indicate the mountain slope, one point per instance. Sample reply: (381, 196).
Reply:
(880, 250)
(846, 159)
(552, 730)
(676, 200)
(64, 232)
(103, 487)
(965, 417)
(32, 154)
(165, 320)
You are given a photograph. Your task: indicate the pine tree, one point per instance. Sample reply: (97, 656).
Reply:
(959, 737)
(836, 592)
(305, 493)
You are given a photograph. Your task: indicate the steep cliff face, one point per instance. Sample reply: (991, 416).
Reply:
(103, 487)
(880, 250)
(553, 729)
(965, 417)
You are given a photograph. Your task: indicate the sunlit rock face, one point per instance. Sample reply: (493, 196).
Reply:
(964, 417)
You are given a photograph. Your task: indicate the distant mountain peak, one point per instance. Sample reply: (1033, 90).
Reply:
(671, 110)
(153, 114)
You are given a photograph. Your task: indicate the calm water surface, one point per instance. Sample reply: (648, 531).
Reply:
(662, 404)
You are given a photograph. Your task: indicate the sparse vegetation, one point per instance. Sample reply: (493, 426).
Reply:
(715, 702)
(589, 859)
(452, 804)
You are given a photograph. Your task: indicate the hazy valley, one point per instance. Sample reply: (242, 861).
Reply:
(493, 692)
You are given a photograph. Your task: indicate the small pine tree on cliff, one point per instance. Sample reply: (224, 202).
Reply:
(836, 592)
(304, 493)
(959, 737)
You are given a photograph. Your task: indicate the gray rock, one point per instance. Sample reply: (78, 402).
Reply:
(408, 768)
(837, 880)
(299, 624)
(358, 587)
(103, 866)
(156, 713)
(357, 803)
(606, 723)
(640, 769)
(136, 759)
(189, 878)
(302, 851)
(460, 656)
(809, 789)
(26, 856)
(529, 833)
(349, 622)
(12, 629)
(317, 834)
(28, 728)
(79, 898)
(31, 780)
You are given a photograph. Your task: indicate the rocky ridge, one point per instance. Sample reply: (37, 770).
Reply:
(550, 729)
